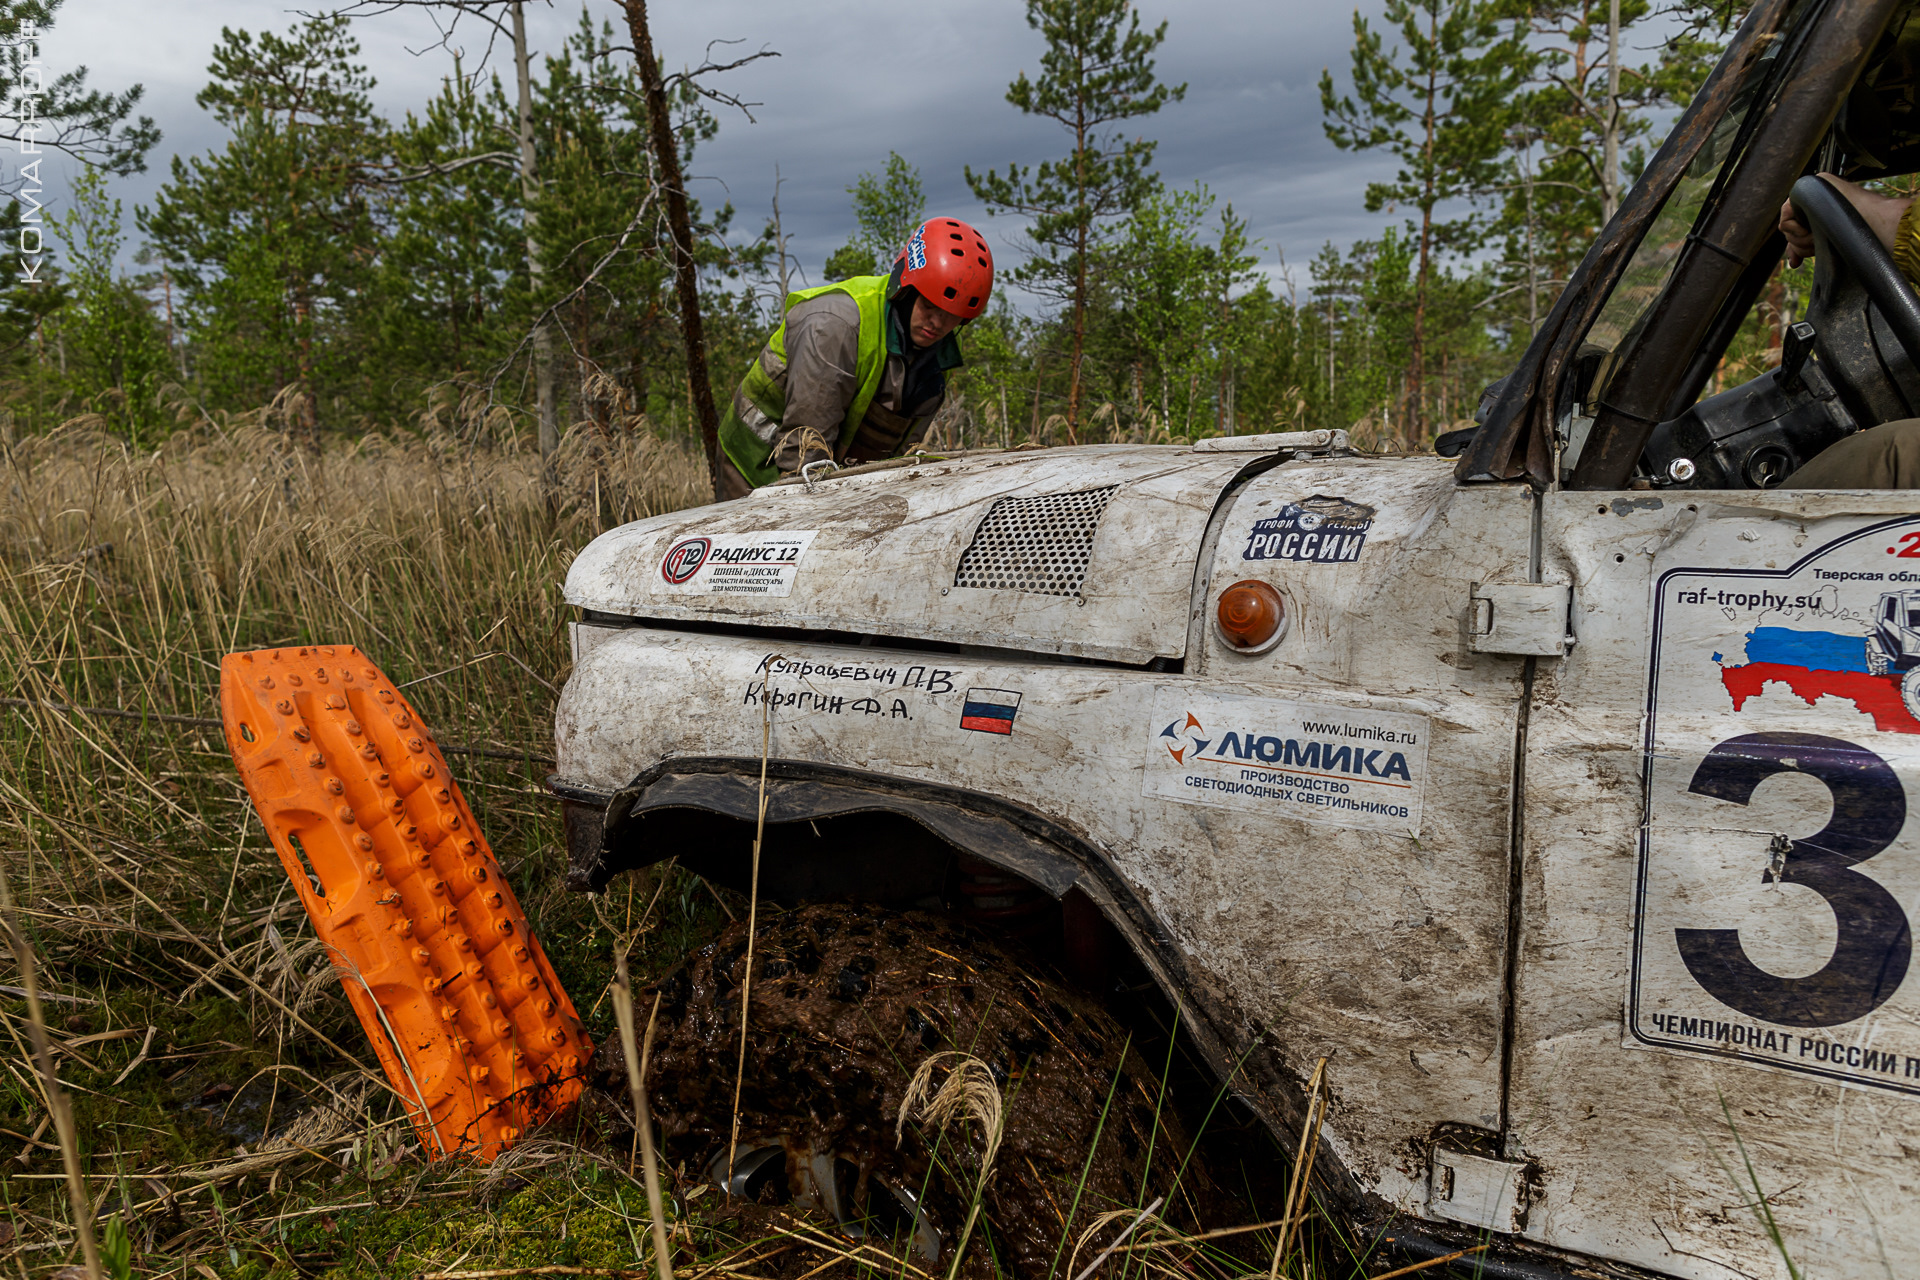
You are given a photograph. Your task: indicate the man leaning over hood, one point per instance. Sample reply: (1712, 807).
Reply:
(856, 370)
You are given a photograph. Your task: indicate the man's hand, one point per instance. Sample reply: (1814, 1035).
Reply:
(1880, 212)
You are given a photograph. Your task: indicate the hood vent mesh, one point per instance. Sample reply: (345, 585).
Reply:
(1035, 544)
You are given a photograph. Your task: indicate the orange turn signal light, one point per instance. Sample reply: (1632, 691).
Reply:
(1251, 616)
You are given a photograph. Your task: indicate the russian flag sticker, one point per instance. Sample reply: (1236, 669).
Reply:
(990, 710)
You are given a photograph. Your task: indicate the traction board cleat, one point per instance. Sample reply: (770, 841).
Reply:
(464, 1011)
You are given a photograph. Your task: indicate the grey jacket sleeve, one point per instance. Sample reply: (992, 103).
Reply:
(823, 350)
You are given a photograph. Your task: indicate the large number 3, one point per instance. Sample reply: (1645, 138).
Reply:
(1875, 946)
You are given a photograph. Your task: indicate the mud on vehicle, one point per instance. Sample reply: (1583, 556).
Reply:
(1555, 790)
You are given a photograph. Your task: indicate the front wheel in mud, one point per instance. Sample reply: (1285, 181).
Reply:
(848, 1001)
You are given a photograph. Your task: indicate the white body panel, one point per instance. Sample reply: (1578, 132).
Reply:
(1359, 909)
(1376, 939)
(888, 542)
(1623, 1058)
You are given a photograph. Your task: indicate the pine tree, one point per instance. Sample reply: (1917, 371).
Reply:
(1098, 69)
(119, 357)
(597, 171)
(591, 128)
(1272, 373)
(887, 206)
(1231, 273)
(450, 250)
(1442, 112)
(63, 114)
(1579, 129)
(274, 235)
(1177, 306)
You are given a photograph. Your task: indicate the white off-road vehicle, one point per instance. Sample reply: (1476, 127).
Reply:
(1546, 789)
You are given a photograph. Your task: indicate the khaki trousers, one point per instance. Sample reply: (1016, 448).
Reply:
(1882, 457)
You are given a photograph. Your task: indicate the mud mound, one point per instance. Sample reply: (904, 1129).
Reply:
(847, 1001)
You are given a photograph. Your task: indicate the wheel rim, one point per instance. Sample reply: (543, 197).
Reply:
(831, 1183)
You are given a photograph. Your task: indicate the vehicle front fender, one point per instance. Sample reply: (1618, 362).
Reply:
(605, 837)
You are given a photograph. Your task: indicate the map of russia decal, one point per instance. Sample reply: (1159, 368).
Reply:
(990, 710)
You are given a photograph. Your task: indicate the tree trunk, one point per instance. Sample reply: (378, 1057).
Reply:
(1533, 265)
(1079, 338)
(173, 349)
(1330, 366)
(1610, 178)
(1081, 235)
(309, 407)
(1223, 392)
(1416, 416)
(529, 187)
(686, 270)
(1039, 367)
(1417, 373)
(780, 243)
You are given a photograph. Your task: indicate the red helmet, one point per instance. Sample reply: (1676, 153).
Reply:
(950, 265)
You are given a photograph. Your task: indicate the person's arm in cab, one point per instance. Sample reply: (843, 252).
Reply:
(1892, 219)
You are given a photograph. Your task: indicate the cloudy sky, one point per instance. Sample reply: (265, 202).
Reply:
(854, 80)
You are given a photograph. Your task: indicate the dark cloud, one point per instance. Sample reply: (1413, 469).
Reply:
(855, 79)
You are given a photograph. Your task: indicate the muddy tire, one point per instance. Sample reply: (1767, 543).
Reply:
(847, 1002)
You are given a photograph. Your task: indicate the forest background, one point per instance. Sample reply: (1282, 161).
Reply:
(498, 262)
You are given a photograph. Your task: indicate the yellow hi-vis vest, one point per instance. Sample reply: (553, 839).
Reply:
(764, 386)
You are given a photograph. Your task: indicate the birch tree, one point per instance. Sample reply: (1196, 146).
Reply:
(119, 359)
(1590, 107)
(274, 233)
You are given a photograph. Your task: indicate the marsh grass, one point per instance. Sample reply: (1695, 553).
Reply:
(191, 1011)
(228, 1118)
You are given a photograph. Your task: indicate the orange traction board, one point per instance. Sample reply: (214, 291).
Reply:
(464, 1011)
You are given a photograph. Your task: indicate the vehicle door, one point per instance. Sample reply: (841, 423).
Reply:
(1327, 825)
(1714, 1003)
(1715, 1042)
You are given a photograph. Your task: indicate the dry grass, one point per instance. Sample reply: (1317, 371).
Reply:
(229, 1118)
(968, 1092)
(127, 577)
(190, 1009)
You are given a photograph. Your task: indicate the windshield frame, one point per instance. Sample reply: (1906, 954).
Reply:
(1517, 440)
(1826, 47)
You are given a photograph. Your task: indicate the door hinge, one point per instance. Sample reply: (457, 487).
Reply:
(1528, 618)
(1490, 1194)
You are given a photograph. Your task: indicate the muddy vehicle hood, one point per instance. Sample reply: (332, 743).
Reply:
(1088, 552)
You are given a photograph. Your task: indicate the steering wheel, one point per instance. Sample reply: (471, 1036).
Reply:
(1845, 246)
